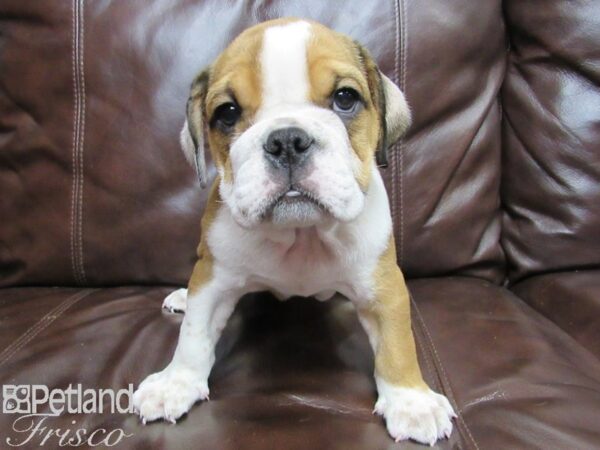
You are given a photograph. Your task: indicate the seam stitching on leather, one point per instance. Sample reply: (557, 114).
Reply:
(442, 373)
(78, 139)
(429, 365)
(403, 29)
(392, 153)
(74, 143)
(77, 142)
(82, 133)
(41, 325)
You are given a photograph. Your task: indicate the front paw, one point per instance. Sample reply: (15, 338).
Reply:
(418, 414)
(169, 394)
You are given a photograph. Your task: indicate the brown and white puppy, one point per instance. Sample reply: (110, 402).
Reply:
(295, 115)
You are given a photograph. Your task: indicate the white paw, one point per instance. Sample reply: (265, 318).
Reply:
(169, 394)
(422, 415)
(176, 301)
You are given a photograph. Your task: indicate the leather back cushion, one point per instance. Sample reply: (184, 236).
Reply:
(551, 137)
(95, 190)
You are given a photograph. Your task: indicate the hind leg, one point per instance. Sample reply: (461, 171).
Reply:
(176, 301)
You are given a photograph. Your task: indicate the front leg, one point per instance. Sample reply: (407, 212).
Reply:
(410, 408)
(170, 393)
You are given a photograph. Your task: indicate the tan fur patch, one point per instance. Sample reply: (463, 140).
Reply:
(334, 61)
(203, 268)
(389, 313)
(236, 76)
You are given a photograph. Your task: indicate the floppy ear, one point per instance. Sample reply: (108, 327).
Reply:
(192, 133)
(390, 103)
(397, 112)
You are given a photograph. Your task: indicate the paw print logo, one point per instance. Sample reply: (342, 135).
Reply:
(16, 399)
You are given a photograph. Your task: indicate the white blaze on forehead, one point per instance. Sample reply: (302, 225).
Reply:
(283, 64)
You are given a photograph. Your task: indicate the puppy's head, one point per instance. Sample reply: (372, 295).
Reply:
(295, 116)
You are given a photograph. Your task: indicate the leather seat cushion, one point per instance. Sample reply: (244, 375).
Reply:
(299, 373)
(569, 299)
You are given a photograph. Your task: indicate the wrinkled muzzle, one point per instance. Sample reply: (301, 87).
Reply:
(293, 167)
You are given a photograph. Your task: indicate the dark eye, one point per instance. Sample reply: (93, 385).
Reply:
(227, 114)
(345, 99)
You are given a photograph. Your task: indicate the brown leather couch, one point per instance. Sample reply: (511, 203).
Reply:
(495, 194)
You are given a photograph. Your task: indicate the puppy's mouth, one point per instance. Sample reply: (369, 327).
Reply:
(295, 207)
(295, 195)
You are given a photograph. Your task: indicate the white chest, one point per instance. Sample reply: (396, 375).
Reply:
(305, 264)
(315, 261)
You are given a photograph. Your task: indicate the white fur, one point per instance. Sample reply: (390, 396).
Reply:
(169, 394)
(321, 260)
(176, 301)
(397, 112)
(283, 64)
(370, 327)
(336, 252)
(332, 256)
(332, 178)
(422, 415)
(195, 156)
(285, 103)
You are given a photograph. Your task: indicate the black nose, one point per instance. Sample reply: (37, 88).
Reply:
(288, 146)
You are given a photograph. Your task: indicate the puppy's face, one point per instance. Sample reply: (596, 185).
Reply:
(294, 113)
